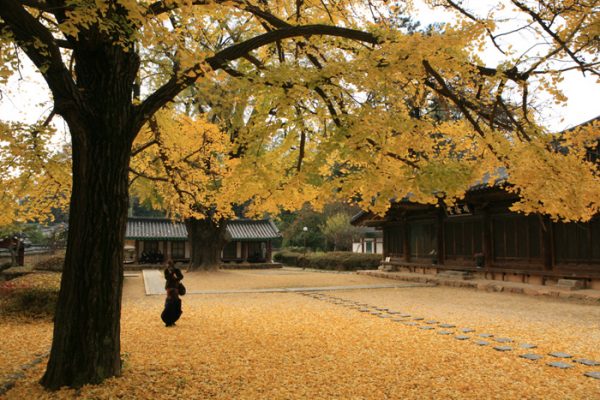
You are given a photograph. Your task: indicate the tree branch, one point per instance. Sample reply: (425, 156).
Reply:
(536, 17)
(458, 102)
(143, 147)
(177, 83)
(41, 47)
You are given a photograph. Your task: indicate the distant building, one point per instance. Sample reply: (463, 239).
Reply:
(158, 239)
(368, 240)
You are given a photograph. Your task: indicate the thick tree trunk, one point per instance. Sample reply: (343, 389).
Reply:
(207, 239)
(86, 342)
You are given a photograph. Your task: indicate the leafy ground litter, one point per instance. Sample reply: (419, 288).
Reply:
(289, 346)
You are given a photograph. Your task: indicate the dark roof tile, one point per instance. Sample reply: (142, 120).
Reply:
(165, 229)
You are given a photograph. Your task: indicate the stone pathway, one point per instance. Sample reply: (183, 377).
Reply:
(431, 325)
(154, 284)
(12, 379)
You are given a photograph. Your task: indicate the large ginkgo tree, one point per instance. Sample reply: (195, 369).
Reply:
(351, 100)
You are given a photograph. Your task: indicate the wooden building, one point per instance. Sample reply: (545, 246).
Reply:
(249, 241)
(159, 238)
(483, 238)
(368, 241)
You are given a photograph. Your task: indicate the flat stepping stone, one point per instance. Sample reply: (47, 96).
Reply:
(405, 315)
(528, 346)
(593, 374)
(384, 316)
(467, 330)
(382, 309)
(530, 356)
(461, 337)
(558, 354)
(559, 364)
(418, 319)
(427, 328)
(445, 332)
(447, 326)
(486, 335)
(397, 320)
(584, 361)
(481, 342)
(431, 322)
(503, 340)
(410, 323)
(502, 348)
(393, 312)
(364, 310)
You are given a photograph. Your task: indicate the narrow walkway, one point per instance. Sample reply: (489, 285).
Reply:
(154, 284)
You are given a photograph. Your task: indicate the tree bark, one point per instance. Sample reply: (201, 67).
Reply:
(207, 239)
(86, 342)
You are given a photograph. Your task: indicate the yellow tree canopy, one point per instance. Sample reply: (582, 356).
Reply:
(372, 110)
(34, 177)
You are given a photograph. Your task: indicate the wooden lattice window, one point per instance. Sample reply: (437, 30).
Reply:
(423, 240)
(394, 241)
(577, 242)
(463, 238)
(178, 249)
(517, 237)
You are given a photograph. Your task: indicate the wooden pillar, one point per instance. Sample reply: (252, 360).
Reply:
(245, 251)
(269, 251)
(386, 241)
(488, 253)
(406, 241)
(440, 237)
(547, 242)
(136, 256)
(20, 253)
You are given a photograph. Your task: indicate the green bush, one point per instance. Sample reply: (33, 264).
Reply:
(287, 257)
(30, 302)
(337, 261)
(51, 264)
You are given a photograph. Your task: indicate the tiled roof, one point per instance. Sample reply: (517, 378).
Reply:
(246, 229)
(154, 229)
(165, 229)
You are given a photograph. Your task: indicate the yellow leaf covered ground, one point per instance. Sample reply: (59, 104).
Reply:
(284, 346)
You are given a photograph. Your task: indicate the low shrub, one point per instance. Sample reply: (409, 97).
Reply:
(337, 261)
(30, 302)
(54, 263)
(31, 295)
(287, 257)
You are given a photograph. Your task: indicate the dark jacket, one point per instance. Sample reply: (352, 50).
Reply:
(172, 311)
(172, 277)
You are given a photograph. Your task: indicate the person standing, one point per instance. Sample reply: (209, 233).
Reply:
(173, 277)
(172, 310)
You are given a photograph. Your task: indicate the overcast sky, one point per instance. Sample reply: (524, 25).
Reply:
(27, 97)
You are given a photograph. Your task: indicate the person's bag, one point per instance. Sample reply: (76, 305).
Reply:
(181, 289)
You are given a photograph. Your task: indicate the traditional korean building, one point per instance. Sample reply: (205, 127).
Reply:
(368, 241)
(247, 240)
(483, 238)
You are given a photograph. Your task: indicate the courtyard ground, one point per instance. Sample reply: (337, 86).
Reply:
(332, 345)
